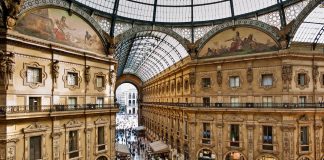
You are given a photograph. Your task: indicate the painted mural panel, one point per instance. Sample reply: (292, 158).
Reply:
(58, 26)
(238, 41)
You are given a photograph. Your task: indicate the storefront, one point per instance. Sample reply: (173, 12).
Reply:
(122, 152)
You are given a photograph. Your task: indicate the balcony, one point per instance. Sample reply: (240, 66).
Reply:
(239, 105)
(55, 110)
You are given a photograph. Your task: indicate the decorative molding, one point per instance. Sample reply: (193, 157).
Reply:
(65, 78)
(33, 4)
(73, 124)
(267, 119)
(23, 74)
(233, 118)
(101, 121)
(307, 79)
(35, 127)
(104, 78)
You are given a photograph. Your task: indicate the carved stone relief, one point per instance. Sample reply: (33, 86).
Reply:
(219, 78)
(286, 75)
(112, 77)
(7, 67)
(13, 8)
(315, 74)
(55, 70)
(87, 75)
(249, 75)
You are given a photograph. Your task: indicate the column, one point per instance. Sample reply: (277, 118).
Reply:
(250, 127)
(288, 141)
(56, 145)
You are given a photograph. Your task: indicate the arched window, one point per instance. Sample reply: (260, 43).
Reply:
(267, 157)
(235, 155)
(206, 154)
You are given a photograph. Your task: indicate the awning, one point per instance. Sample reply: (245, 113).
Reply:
(139, 128)
(121, 148)
(159, 147)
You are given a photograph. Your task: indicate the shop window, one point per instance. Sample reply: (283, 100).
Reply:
(267, 138)
(235, 135)
(101, 138)
(304, 138)
(206, 133)
(73, 144)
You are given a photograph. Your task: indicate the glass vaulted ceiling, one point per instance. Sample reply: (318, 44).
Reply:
(312, 29)
(148, 53)
(180, 10)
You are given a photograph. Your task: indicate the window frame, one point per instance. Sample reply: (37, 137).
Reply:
(204, 83)
(234, 142)
(236, 80)
(39, 74)
(265, 145)
(206, 137)
(266, 76)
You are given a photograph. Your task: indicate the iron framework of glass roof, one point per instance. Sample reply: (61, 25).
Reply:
(148, 53)
(181, 11)
(312, 29)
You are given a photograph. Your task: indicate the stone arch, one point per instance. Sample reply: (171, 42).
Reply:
(132, 79)
(305, 158)
(212, 153)
(302, 16)
(102, 157)
(228, 154)
(131, 32)
(66, 5)
(260, 157)
(266, 28)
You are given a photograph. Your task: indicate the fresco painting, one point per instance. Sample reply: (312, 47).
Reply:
(237, 42)
(58, 26)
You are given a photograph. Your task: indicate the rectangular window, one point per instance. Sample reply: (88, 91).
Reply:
(133, 102)
(205, 82)
(34, 103)
(72, 102)
(235, 102)
(101, 138)
(206, 133)
(73, 144)
(72, 79)
(301, 79)
(267, 138)
(234, 81)
(100, 102)
(235, 135)
(267, 101)
(100, 81)
(34, 75)
(267, 80)
(302, 101)
(129, 102)
(206, 101)
(35, 150)
(304, 143)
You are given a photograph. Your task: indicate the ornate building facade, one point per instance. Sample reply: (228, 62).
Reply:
(56, 86)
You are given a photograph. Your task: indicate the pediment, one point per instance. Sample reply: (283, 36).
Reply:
(35, 127)
(73, 124)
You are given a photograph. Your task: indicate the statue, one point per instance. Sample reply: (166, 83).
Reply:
(7, 67)
(284, 34)
(192, 50)
(55, 70)
(112, 77)
(315, 73)
(219, 77)
(249, 75)
(287, 73)
(87, 75)
(13, 8)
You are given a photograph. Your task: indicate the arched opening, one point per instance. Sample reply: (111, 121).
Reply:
(102, 158)
(304, 158)
(267, 157)
(127, 119)
(234, 155)
(206, 154)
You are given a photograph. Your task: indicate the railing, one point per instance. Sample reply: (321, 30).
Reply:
(53, 108)
(240, 105)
